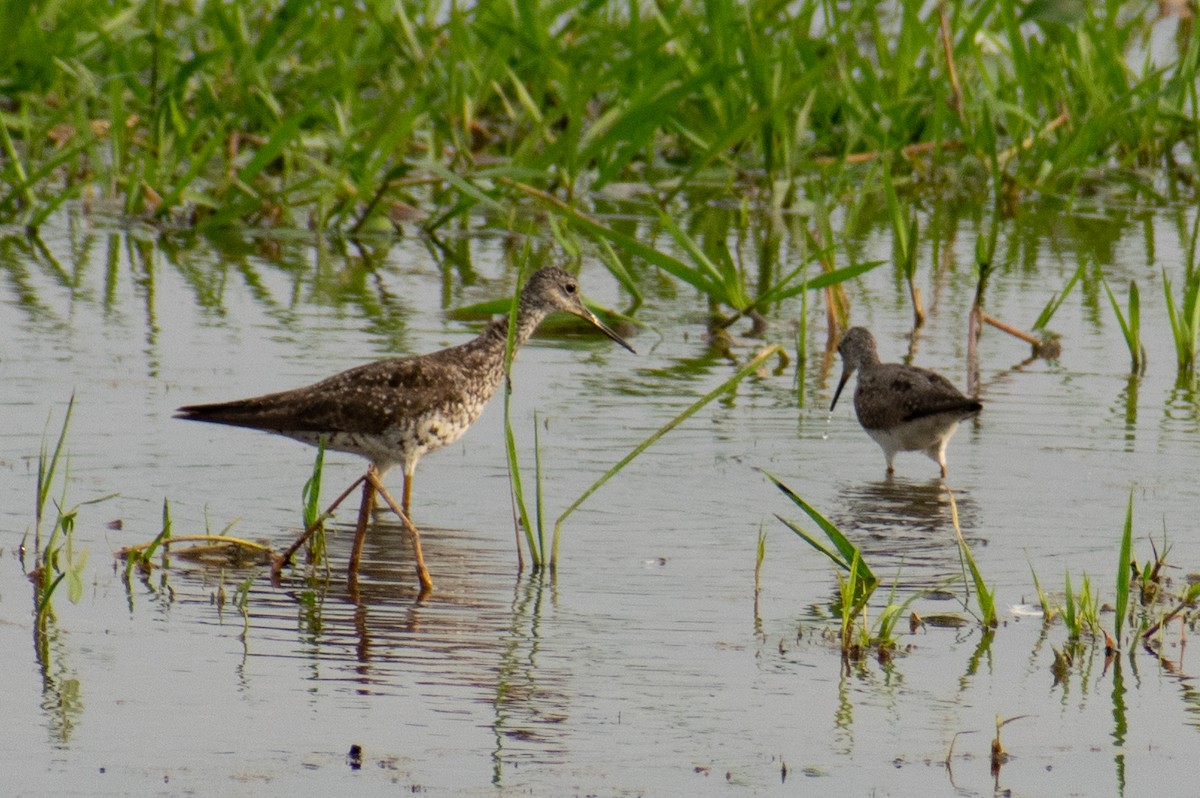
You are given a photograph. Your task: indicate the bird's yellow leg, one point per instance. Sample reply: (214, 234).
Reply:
(422, 571)
(364, 516)
(407, 497)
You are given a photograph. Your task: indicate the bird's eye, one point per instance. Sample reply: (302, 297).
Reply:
(571, 288)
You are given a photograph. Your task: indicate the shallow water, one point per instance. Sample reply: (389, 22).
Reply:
(645, 666)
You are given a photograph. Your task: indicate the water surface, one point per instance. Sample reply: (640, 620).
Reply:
(644, 667)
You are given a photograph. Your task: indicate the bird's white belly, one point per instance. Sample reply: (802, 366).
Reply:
(914, 435)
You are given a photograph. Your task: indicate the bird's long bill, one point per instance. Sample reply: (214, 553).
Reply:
(841, 385)
(604, 328)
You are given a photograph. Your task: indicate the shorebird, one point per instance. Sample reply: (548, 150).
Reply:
(394, 411)
(903, 408)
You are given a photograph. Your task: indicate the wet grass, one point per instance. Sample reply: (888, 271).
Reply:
(752, 366)
(855, 580)
(985, 597)
(1185, 315)
(56, 558)
(1130, 321)
(140, 557)
(368, 119)
(1081, 611)
(311, 513)
(1124, 572)
(353, 117)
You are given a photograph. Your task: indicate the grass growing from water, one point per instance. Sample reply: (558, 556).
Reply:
(140, 557)
(1157, 605)
(56, 559)
(1185, 317)
(1124, 572)
(336, 115)
(311, 513)
(751, 367)
(1056, 300)
(714, 275)
(533, 538)
(1131, 325)
(985, 597)
(855, 581)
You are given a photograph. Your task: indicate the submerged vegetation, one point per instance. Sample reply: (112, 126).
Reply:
(355, 116)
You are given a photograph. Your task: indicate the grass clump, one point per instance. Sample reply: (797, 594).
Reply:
(856, 583)
(985, 597)
(1131, 325)
(347, 116)
(55, 559)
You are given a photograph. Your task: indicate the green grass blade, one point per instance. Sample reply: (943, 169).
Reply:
(827, 279)
(1056, 301)
(539, 503)
(1129, 323)
(463, 186)
(43, 607)
(1043, 599)
(750, 367)
(834, 556)
(671, 265)
(984, 597)
(1124, 571)
(847, 551)
(724, 275)
(310, 495)
(45, 476)
(280, 138)
(536, 552)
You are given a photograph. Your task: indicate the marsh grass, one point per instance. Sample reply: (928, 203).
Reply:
(1131, 324)
(1185, 317)
(855, 581)
(1160, 602)
(1125, 570)
(533, 524)
(56, 559)
(1144, 598)
(331, 115)
(844, 554)
(904, 245)
(216, 550)
(801, 380)
(139, 557)
(856, 584)
(1056, 300)
(751, 366)
(311, 514)
(1048, 609)
(760, 556)
(533, 541)
(1080, 611)
(985, 597)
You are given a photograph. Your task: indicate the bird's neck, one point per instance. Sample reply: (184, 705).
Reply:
(496, 333)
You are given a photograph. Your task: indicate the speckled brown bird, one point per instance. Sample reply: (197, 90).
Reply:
(394, 411)
(903, 408)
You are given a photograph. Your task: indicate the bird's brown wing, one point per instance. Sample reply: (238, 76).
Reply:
(364, 399)
(939, 395)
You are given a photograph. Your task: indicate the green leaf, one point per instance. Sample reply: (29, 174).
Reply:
(848, 554)
(1123, 569)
